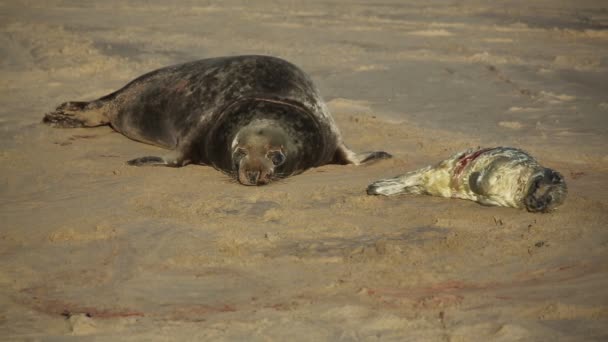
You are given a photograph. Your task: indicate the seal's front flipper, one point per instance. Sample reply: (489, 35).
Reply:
(346, 156)
(75, 114)
(157, 161)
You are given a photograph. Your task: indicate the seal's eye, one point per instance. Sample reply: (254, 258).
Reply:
(238, 154)
(277, 157)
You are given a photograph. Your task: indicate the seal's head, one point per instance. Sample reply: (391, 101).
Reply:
(547, 191)
(257, 152)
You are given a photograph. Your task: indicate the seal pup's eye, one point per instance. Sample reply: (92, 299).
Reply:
(277, 157)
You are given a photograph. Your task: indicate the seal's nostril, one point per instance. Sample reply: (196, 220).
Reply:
(253, 176)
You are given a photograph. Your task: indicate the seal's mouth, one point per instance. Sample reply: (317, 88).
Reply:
(253, 177)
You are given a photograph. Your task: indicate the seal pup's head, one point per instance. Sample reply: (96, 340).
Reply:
(257, 152)
(547, 191)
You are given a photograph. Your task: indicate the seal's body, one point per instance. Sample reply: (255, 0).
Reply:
(255, 117)
(501, 176)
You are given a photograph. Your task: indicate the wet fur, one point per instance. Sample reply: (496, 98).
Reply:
(501, 176)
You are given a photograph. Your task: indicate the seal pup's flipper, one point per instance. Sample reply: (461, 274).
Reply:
(409, 183)
(344, 155)
(75, 114)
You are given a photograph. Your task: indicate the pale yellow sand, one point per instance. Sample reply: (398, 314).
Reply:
(92, 247)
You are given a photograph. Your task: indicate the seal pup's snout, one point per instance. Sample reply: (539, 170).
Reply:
(547, 192)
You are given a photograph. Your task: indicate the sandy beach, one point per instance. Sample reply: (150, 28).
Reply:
(95, 249)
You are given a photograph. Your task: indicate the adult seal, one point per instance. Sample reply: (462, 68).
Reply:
(256, 118)
(500, 176)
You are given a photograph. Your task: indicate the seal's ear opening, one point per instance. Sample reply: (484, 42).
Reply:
(547, 192)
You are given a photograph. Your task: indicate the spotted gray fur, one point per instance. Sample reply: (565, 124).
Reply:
(256, 118)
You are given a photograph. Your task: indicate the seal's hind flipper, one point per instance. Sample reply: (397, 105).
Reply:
(368, 157)
(75, 114)
(346, 156)
(410, 183)
(157, 161)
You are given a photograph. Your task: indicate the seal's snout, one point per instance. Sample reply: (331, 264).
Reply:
(248, 175)
(254, 177)
(256, 160)
(547, 192)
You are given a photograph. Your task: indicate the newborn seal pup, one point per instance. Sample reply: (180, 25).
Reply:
(501, 176)
(257, 118)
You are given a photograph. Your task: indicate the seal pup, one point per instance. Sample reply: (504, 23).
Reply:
(500, 176)
(256, 118)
